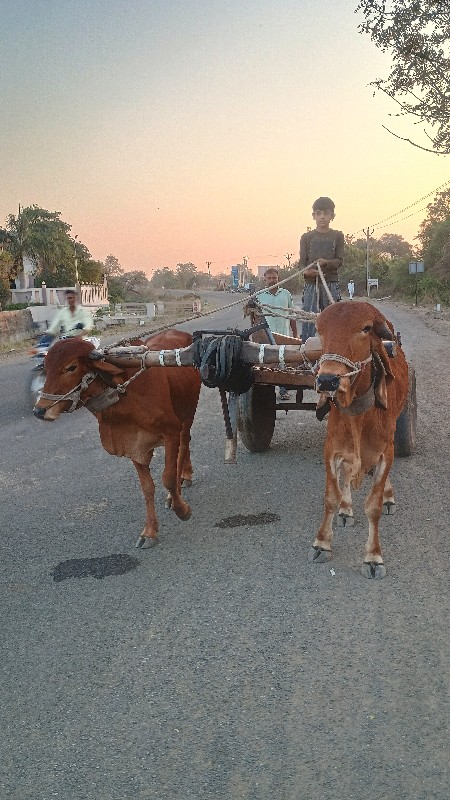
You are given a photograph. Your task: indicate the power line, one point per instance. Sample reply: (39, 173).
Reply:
(393, 216)
(375, 225)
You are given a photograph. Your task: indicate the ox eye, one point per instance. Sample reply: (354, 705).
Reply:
(72, 368)
(367, 329)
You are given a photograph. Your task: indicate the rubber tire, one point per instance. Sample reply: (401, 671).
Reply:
(34, 386)
(405, 432)
(256, 417)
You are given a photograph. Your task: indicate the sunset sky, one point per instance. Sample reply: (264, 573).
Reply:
(168, 131)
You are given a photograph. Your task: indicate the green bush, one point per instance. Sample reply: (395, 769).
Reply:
(101, 312)
(16, 306)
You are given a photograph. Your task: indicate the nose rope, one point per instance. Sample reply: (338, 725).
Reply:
(73, 395)
(355, 366)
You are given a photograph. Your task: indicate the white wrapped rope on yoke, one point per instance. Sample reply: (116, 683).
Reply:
(252, 353)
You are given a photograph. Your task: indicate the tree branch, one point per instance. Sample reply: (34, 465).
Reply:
(427, 149)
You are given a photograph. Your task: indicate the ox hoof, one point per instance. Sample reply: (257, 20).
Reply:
(389, 507)
(370, 569)
(318, 555)
(145, 542)
(187, 516)
(345, 520)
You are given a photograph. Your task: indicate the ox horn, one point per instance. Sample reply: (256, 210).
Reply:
(383, 330)
(96, 355)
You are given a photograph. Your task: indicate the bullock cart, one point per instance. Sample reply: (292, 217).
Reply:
(248, 398)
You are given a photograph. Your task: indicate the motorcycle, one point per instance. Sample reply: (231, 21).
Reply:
(36, 377)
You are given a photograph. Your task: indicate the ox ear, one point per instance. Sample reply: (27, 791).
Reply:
(380, 381)
(379, 352)
(383, 330)
(103, 366)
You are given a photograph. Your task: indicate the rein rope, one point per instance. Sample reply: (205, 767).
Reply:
(311, 315)
(294, 313)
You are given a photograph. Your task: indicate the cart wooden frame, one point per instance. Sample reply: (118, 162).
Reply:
(257, 408)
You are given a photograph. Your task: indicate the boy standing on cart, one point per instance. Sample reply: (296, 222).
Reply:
(325, 246)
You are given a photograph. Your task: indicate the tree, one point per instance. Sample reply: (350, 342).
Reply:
(186, 275)
(437, 253)
(116, 293)
(6, 272)
(438, 211)
(112, 267)
(45, 239)
(416, 34)
(91, 271)
(394, 245)
(164, 279)
(135, 282)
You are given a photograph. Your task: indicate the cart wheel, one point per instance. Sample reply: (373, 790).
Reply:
(405, 432)
(256, 417)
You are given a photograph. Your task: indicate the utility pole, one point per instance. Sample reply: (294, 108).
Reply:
(368, 233)
(208, 264)
(75, 258)
(288, 257)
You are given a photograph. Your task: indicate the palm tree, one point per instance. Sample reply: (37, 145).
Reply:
(44, 238)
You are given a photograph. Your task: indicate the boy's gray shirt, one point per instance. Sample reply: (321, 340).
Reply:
(329, 245)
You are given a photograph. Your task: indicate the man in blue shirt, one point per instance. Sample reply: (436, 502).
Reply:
(280, 300)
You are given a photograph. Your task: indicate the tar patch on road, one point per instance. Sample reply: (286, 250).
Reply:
(117, 564)
(247, 519)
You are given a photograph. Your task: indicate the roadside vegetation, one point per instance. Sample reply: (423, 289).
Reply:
(42, 237)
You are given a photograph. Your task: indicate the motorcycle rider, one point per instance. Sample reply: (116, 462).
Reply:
(73, 319)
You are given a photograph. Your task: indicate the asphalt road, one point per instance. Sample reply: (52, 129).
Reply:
(221, 664)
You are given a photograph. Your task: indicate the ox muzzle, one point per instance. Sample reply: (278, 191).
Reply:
(39, 413)
(327, 383)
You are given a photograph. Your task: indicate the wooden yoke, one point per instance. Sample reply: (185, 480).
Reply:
(251, 354)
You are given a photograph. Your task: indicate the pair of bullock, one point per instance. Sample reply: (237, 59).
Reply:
(362, 388)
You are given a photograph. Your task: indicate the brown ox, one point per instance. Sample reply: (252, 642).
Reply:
(366, 391)
(157, 409)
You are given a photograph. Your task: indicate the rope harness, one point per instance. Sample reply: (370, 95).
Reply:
(361, 404)
(302, 315)
(285, 313)
(355, 366)
(74, 394)
(98, 403)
